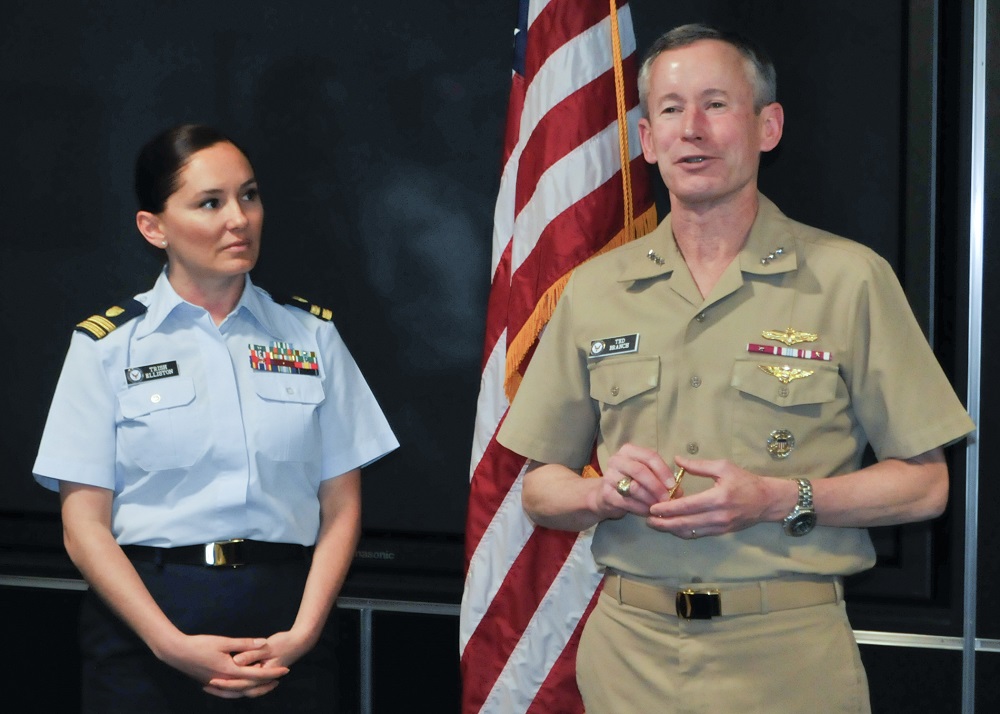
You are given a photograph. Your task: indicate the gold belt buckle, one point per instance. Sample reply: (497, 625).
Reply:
(225, 553)
(698, 604)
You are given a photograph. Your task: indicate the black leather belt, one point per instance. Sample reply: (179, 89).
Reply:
(227, 553)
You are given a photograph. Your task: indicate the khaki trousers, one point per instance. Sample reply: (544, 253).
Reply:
(785, 662)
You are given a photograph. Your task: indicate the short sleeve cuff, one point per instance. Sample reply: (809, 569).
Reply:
(50, 472)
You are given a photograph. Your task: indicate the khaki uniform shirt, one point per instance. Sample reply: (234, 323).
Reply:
(684, 379)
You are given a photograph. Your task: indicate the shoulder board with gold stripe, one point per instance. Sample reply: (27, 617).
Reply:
(103, 324)
(323, 313)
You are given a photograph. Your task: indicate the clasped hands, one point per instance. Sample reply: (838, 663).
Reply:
(638, 481)
(235, 667)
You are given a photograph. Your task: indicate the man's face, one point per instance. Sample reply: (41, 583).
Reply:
(702, 130)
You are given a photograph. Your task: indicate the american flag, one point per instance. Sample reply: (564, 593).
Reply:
(563, 198)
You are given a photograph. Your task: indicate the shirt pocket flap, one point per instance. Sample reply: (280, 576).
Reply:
(614, 382)
(296, 389)
(818, 387)
(149, 397)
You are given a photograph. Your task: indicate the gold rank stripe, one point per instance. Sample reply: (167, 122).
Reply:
(322, 313)
(103, 324)
(93, 329)
(97, 325)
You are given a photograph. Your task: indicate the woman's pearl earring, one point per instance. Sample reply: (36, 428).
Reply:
(163, 243)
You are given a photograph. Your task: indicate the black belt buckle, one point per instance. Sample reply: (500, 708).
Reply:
(698, 604)
(227, 553)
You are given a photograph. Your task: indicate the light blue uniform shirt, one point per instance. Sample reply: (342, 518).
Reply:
(215, 449)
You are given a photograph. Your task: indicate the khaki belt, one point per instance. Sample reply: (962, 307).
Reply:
(699, 602)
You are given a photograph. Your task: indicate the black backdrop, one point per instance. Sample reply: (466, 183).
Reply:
(375, 130)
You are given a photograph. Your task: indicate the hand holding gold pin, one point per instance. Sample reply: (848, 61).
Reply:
(677, 483)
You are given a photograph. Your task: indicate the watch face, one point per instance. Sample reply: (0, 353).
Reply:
(802, 524)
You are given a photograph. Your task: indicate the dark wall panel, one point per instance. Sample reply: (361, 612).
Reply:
(901, 679)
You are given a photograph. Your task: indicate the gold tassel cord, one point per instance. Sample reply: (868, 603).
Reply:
(633, 226)
(623, 148)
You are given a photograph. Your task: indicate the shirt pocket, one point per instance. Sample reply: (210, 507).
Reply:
(627, 391)
(780, 424)
(160, 428)
(287, 420)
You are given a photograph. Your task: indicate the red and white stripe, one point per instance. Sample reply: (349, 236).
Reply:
(527, 589)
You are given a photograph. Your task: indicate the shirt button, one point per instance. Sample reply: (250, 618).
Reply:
(155, 399)
(695, 382)
(783, 391)
(614, 391)
(289, 390)
(692, 447)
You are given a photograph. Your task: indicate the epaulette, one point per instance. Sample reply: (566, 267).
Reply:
(323, 313)
(101, 325)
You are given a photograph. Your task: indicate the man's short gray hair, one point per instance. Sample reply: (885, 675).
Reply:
(760, 69)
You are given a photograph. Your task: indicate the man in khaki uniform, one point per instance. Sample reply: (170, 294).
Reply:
(759, 355)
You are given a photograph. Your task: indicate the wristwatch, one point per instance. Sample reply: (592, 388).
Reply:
(802, 519)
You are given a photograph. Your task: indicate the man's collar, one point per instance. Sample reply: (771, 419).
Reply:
(769, 250)
(657, 256)
(770, 247)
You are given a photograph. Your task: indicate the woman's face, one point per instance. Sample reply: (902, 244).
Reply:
(212, 223)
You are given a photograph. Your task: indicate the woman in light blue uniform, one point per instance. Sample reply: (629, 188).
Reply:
(207, 444)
